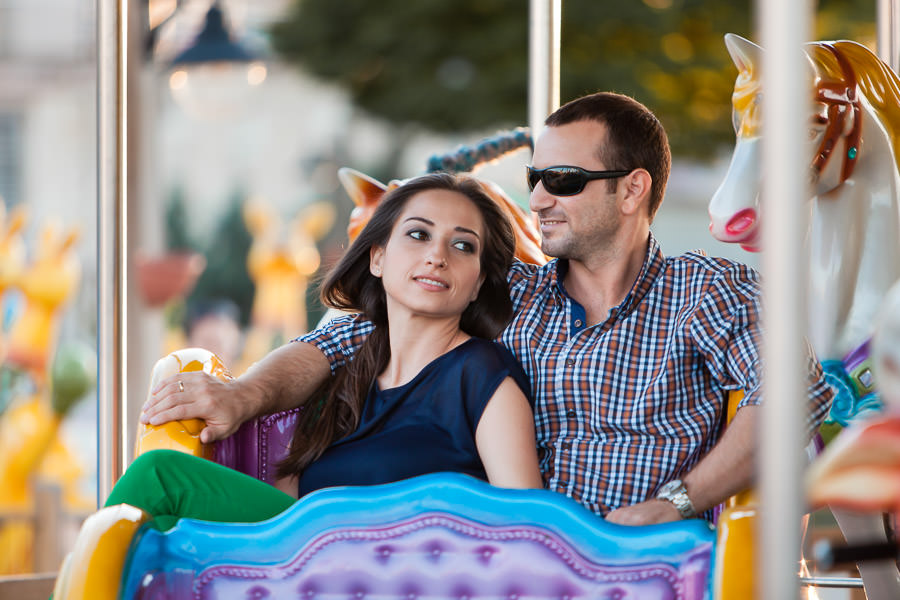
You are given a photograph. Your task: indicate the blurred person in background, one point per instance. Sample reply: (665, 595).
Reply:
(215, 325)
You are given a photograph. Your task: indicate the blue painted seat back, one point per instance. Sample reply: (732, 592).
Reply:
(439, 536)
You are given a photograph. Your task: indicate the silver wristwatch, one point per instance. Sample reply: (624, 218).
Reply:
(675, 492)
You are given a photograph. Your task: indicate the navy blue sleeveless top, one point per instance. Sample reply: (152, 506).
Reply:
(425, 426)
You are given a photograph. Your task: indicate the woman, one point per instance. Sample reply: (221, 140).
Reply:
(427, 392)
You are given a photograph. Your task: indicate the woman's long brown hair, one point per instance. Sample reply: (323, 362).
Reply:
(351, 287)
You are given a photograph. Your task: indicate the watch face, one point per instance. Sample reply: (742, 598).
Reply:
(671, 487)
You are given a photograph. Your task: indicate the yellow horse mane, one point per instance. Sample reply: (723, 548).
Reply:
(744, 101)
(877, 82)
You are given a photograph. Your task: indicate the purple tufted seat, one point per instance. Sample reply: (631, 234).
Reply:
(255, 448)
(258, 446)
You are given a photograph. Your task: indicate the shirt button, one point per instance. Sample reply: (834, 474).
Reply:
(571, 413)
(577, 322)
(566, 445)
(570, 361)
(562, 484)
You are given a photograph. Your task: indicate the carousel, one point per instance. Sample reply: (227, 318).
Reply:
(829, 146)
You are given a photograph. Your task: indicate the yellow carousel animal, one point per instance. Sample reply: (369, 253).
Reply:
(30, 448)
(280, 262)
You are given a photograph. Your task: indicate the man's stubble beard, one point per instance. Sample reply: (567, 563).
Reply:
(599, 240)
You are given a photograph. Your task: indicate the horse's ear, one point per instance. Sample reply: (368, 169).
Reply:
(744, 53)
(362, 189)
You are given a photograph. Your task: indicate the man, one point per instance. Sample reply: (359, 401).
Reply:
(630, 354)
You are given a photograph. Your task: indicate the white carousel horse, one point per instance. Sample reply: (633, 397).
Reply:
(854, 234)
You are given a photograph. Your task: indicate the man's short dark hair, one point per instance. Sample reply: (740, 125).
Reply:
(636, 138)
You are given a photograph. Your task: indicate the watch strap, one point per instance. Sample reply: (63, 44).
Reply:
(676, 493)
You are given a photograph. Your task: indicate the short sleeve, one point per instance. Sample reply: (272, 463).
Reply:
(340, 338)
(727, 331)
(485, 367)
(727, 328)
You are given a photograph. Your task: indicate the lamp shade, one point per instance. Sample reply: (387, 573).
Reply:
(214, 44)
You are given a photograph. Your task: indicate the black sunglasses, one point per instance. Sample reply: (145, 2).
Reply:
(567, 181)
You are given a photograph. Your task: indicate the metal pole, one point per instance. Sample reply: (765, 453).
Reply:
(545, 18)
(888, 20)
(784, 27)
(112, 107)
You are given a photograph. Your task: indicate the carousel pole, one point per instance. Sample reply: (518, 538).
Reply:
(544, 28)
(112, 111)
(784, 27)
(888, 20)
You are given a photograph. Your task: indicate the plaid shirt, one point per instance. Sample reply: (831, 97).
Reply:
(628, 404)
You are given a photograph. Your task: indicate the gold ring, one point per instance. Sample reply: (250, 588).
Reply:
(180, 386)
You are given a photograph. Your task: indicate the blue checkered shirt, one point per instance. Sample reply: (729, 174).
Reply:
(628, 404)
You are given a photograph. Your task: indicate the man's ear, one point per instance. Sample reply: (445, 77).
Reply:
(636, 191)
(376, 260)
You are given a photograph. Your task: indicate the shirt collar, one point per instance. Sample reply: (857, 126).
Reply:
(654, 262)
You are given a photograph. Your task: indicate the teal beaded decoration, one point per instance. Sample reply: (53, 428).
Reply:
(851, 153)
(466, 158)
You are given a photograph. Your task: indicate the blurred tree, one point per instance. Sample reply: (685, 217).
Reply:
(177, 234)
(462, 66)
(226, 274)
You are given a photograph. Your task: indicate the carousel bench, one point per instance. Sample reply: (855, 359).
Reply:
(443, 535)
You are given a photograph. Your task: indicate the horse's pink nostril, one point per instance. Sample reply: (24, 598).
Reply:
(741, 222)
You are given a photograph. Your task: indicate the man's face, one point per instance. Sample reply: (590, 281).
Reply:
(582, 226)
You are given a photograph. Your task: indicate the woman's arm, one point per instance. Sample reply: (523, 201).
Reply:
(505, 439)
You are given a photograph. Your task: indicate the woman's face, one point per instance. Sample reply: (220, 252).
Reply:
(431, 264)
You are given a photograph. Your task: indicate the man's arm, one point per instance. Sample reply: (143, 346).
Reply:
(283, 379)
(726, 470)
(731, 355)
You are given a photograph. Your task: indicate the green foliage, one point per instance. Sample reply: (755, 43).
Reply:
(72, 375)
(444, 65)
(462, 66)
(177, 235)
(226, 251)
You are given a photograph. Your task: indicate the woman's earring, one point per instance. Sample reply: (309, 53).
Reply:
(376, 271)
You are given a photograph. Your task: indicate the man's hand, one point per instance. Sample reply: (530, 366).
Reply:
(283, 379)
(645, 513)
(726, 470)
(223, 405)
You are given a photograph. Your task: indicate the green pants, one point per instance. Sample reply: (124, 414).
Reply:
(171, 485)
